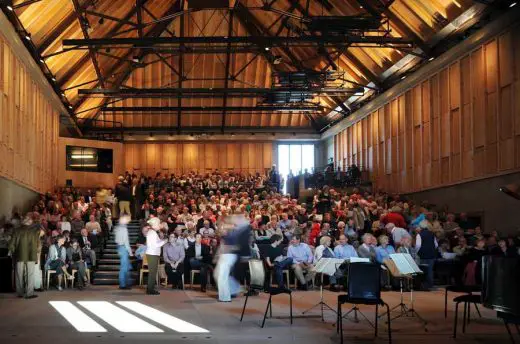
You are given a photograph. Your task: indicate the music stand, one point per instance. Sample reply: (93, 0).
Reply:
(326, 266)
(401, 266)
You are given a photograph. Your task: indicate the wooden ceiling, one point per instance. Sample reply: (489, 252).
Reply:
(49, 22)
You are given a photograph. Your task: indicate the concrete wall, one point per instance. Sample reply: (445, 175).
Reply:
(13, 195)
(499, 211)
(324, 151)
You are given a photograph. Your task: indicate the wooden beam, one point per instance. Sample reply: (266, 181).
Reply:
(91, 51)
(62, 26)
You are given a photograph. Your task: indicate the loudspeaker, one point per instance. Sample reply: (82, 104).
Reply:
(68, 182)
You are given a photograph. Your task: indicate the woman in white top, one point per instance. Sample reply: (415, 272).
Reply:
(64, 224)
(323, 250)
(153, 252)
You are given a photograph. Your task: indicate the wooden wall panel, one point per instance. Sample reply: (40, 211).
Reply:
(183, 157)
(29, 127)
(460, 124)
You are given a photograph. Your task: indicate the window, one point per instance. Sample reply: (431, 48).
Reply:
(88, 159)
(296, 159)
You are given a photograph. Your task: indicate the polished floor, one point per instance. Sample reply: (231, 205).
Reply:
(37, 321)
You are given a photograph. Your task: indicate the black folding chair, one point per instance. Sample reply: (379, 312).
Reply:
(257, 272)
(364, 288)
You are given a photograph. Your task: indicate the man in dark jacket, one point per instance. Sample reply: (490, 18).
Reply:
(200, 258)
(24, 249)
(426, 246)
(123, 196)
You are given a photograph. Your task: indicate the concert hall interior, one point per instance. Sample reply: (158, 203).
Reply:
(252, 171)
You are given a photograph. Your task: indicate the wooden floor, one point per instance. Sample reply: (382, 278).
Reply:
(35, 321)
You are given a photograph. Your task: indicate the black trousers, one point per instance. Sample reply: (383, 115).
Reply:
(153, 264)
(174, 277)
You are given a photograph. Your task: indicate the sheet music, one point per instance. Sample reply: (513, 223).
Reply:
(328, 266)
(412, 263)
(401, 263)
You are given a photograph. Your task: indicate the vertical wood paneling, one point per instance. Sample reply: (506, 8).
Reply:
(29, 127)
(461, 123)
(183, 157)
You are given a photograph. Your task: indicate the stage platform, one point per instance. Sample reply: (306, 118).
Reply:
(208, 321)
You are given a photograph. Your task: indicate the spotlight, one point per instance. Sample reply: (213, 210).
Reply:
(70, 107)
(28, 36)
(53, 79)
(10, 8)
(431, 58)
(403, 77)
(512, 5)
(41, 60)
(135, 59)
(267, 48)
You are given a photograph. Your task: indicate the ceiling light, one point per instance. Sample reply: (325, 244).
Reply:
(28, 37)
(360, 6)
(403, 77)
(267, 48)
(62, 94)
(53, 79)
(70, 107)
(512, 5)
(41, 60)
(359, 93)
(10, 8)
(431, 58)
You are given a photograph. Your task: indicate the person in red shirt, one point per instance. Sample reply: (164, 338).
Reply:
(395, 217)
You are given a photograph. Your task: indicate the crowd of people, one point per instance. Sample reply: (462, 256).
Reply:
(186, 215)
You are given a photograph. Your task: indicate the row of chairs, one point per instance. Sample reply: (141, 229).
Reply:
(144, 270)
(49, 274)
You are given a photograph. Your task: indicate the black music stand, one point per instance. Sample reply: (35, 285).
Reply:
(325, 266)
(401, 266)
(364, 288)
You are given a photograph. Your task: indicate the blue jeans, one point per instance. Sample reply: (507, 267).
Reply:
(429, 271)
(278, 270)
(124, 269)
(227, 284)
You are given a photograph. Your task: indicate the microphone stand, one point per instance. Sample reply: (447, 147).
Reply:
(322, 304)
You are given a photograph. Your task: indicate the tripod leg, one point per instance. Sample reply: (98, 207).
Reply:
(267, 309)
(270, 307)
(478, 310)
(244, 309)
(455, 321)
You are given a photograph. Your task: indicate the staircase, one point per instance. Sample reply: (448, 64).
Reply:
(107, 272)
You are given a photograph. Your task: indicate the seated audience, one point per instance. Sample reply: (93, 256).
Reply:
(303, 259)
(200, 259)
(57, 260)
(275, 259)
(173, 256)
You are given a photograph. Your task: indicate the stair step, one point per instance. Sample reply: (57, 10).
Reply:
(111, 261)
(111, 281)
(106, 267)
(107, 274)
(110, 256)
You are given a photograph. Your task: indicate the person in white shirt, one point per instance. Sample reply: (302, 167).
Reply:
(64, 225)
(153, 252)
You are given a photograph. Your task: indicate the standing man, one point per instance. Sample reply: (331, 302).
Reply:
(137, 196)
(24, 249)
(426, 246)
(124, 251)
(123, 196)
(153, 252)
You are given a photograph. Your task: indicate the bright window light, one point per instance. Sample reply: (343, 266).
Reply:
(82, 156)
(76, 317)
(162, 318)
(119, 318)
